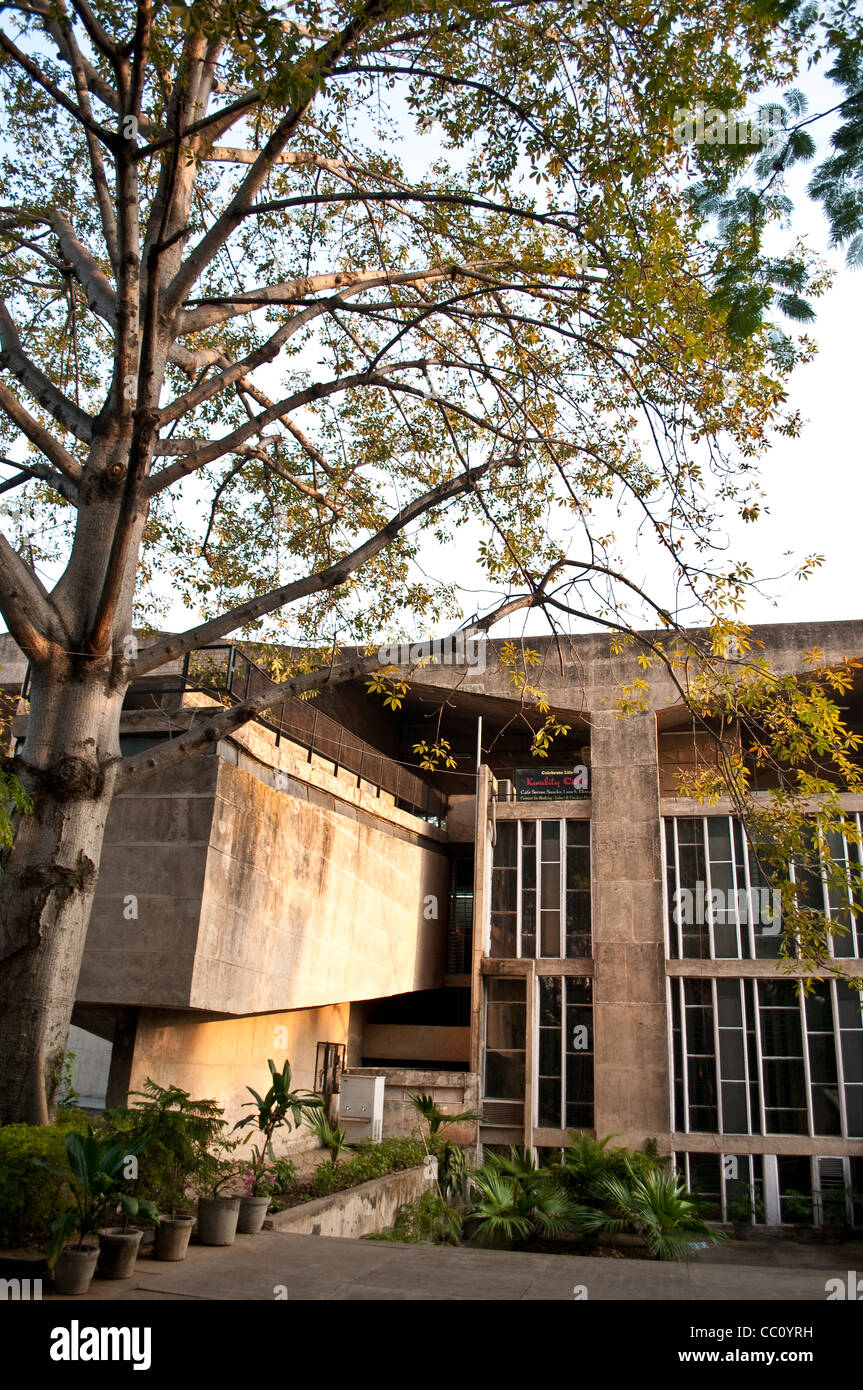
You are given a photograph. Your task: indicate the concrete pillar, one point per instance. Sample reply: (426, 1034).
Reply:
(631, 1057)
(122, 1055)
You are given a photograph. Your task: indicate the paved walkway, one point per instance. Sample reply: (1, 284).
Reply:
(278, 1264)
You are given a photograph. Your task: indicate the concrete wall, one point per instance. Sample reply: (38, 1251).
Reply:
(631, 1045)
(303, 905)
(218, 1058)
(454, 1091)
(222, 893)
(357, 1212)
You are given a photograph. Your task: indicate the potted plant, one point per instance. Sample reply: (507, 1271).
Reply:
(118, 1245)
(801, 1210)
(280, 1108)
(746, 1208)
(180, 1130)
(217, 1212)
(94, 1167)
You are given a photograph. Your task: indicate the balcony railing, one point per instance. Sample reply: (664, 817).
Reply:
(224, 671)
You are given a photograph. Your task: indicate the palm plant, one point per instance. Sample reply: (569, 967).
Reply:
(94, 1166)
(428, 1109)
(279, 1108)
(588, 1160)
(654, 1204)
(514, 1201)
(333, 1139)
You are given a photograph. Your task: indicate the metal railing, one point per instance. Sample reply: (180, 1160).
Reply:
(225, 671)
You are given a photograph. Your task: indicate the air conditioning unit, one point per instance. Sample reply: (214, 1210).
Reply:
(361, 1107)
(504, 789)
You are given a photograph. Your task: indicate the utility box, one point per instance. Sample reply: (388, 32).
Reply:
(361, 1107)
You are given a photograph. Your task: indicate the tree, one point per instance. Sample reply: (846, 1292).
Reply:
(442, 281)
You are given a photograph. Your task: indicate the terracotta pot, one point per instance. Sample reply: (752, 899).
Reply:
(171, 1240)
(74, 1269)
(118, 1251)
(217, 1220)
(253, 1211)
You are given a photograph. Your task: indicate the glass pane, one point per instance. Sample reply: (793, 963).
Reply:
(505, 844)
(550, 886)
(549, 1001)
(549, 1104)
(732, 1060)
(551, 839)
(784, 1085)
(504, 1075)
(819, 1010)
(852, 1055)
(550, 929)
(506, 1026)
(734, 1118)
(719, 837)
(549, 1052)
(728, 1003)
(503, 934)
(578, 833)
(503, 890)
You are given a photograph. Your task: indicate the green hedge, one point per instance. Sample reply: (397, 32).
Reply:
(30, 1198)
(369, 1161)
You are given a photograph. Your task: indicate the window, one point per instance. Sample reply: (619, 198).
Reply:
(724, 1185)
(505, 1034)
(565, 1050)
(718, 903)
(720, 906)
(759, 1057)
(460, 922)
(540, 892)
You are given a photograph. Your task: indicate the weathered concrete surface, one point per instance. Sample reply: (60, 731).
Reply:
(258, 1268)
(371, 1206)
(220, 1057)
(220, 892)
(631, 1047)
(454, 1091)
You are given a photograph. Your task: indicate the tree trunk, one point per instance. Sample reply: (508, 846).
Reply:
(50, 875)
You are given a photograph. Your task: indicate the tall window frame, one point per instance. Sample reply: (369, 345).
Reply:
(541, 891)
(708, 1069)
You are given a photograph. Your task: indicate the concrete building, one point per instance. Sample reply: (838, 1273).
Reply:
(505, 933)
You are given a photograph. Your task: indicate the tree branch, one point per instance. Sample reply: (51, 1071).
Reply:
(315, 67)
(42, 438)
(30, 615)
(218, 310)
(169, 648)
(13, 357)
(227, 721)
(33, 71)
(195, 458)
(95, 284)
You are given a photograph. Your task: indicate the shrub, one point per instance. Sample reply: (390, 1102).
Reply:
(513, 1202)
(427, 1221)
(30, 1199)
(656, 1206)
